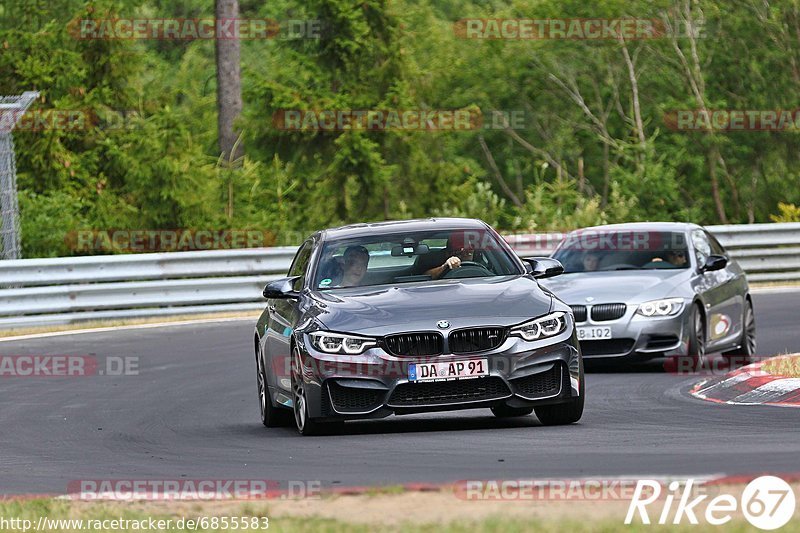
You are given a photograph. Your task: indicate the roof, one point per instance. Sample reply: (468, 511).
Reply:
(400, 226)
(644, 226)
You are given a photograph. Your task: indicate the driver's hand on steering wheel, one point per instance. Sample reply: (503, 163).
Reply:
(452, 263)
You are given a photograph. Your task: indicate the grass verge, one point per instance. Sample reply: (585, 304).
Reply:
(99, 324)
(311, 515)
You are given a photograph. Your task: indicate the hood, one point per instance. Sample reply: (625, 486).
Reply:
(385, 309)
(620, 286)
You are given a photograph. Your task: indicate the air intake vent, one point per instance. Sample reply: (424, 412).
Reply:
(447, 392)
(606, 347)
(542, 384)
(354, 399)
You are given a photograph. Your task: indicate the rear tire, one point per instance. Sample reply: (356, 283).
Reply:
(565, 413)
(504, 411)
(746, 351)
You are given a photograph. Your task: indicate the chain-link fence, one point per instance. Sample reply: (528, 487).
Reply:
(11, 109)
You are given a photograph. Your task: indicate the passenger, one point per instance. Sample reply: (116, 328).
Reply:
(590, 262)
(356, 259)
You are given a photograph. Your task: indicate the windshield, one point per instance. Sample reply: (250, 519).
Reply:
(412, 257)
(588, 250)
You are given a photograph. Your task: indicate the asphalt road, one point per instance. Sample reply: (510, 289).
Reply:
(192, 413)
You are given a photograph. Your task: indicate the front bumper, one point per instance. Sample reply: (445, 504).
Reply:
(375, 384)
(639, 336)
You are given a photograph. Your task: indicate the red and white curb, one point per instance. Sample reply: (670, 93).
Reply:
(773, 381)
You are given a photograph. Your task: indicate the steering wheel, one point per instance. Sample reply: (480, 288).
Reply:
(468, 269)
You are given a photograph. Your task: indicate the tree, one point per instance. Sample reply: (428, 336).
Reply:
(229, 84)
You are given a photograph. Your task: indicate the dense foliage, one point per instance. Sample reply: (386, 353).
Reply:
(593, 145)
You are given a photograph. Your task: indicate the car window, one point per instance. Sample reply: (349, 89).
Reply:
(409, 257)
(599, 250)
(702, 247)
(300, 263)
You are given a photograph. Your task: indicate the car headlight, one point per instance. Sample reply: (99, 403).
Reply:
(328, 342)
(664, 307)
(541, 328)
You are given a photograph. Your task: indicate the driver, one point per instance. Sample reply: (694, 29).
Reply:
(675, 257)
(453, 262)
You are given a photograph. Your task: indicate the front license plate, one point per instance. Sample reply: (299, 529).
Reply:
(589, 333)
(444, 371)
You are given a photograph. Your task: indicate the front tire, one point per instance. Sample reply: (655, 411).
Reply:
(271, 416)
(565, 413)
(747, 347)
(697, 339)
(306, 425)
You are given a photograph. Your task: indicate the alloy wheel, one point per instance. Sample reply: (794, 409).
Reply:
(700, 336)
(750, 331)
(298, 395)
(262, 389)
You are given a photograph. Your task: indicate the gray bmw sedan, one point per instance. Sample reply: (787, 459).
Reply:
(642, 290)
(414, 316)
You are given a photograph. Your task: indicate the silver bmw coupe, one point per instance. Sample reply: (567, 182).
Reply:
(643, 290)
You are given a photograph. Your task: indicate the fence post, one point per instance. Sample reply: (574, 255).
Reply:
(11, 109)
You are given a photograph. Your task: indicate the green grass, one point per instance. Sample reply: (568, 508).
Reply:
(385, 490)
(53, 509)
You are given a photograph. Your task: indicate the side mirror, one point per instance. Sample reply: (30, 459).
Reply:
(714, 262)
(281, 288)
(543, 267)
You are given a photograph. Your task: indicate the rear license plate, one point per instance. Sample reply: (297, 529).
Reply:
(445, 371)
(591, 333)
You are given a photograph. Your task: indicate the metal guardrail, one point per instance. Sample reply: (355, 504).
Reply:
(70, 289)
(63, 290)
(767, 252)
